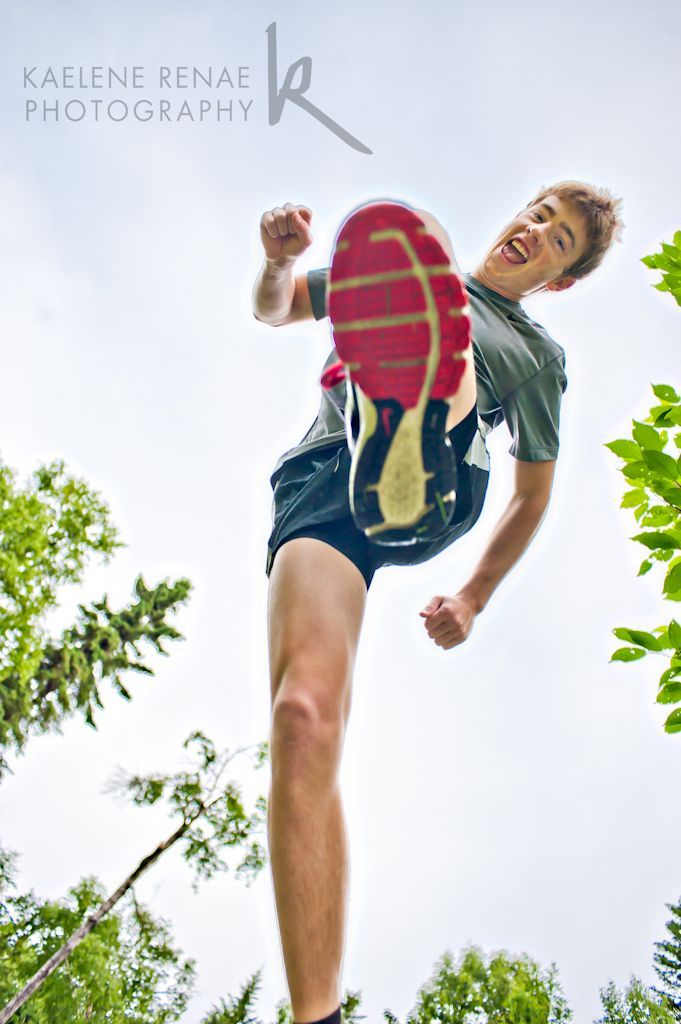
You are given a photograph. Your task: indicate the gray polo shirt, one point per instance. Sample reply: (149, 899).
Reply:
(519, 368)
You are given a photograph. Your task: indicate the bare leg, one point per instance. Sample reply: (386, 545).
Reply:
(315, 611)
(464, 400)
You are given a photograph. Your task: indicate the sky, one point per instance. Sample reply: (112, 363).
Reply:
(512, 792)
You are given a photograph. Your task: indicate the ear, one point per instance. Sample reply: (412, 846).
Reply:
(560, 284)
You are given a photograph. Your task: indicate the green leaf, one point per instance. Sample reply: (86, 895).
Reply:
(666, 393)
(649, 261)
(660, 463)
(641, 511)
(669, 694)
(635, 470)
(645, 567)
(661, 286)
(670, 494)
(671, 252)
(675, 634)
(644, 639)
(658, 515)
(625, 449)
(638, 637)
(656, 539)
(661, 419)
(646, 436)
(658, 410)
(632, 498)
(672, 582)
(673, 723)
(677, 440)
(674, 414)
(665, 263)
(663, 639)
(628, 654)
(677, 239)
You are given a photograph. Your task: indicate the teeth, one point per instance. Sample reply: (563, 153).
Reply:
(518, 245)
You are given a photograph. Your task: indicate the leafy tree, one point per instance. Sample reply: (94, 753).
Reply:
(669, 262)
(636, 1005)
(652, 468)
(479, 990)
(125, 972)
(496, 990)
(211, 817)
(667, 961)
(656, 502)
(49, 528)
(239, 1010)
(503, 990)
(8, 860)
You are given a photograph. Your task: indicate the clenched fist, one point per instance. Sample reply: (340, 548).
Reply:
(448, 620)
(285, 233)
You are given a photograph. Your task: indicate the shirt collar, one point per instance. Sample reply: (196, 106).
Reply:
(484, 292)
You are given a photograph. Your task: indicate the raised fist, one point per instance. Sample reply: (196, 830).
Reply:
(285, 232)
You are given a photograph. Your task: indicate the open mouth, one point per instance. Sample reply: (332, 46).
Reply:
(515, 251)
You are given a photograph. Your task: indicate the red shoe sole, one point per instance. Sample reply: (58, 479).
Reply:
(398, 312)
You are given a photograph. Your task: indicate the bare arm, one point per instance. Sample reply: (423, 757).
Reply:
(513, 532)
(449, 620)
(279, 297)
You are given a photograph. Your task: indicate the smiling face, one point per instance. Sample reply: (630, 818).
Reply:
(532, 252)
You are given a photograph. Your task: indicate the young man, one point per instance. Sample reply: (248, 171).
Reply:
(320, 562)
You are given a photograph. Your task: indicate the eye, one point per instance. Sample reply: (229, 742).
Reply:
(561, 243)
(539, 217)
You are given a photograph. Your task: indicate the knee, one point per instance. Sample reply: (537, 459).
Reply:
(436, 229)
(307, 719)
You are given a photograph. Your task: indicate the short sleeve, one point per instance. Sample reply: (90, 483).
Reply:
(316, 283)
(532, 413)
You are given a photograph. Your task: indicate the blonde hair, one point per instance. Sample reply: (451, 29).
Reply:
(601, 212)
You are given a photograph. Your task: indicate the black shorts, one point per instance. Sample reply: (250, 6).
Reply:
(311, 499)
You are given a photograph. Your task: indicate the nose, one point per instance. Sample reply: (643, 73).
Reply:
(533, 230)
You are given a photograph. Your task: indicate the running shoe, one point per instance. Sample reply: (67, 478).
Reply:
(401, 327)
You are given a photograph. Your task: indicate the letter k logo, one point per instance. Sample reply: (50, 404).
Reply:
(278, 97)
